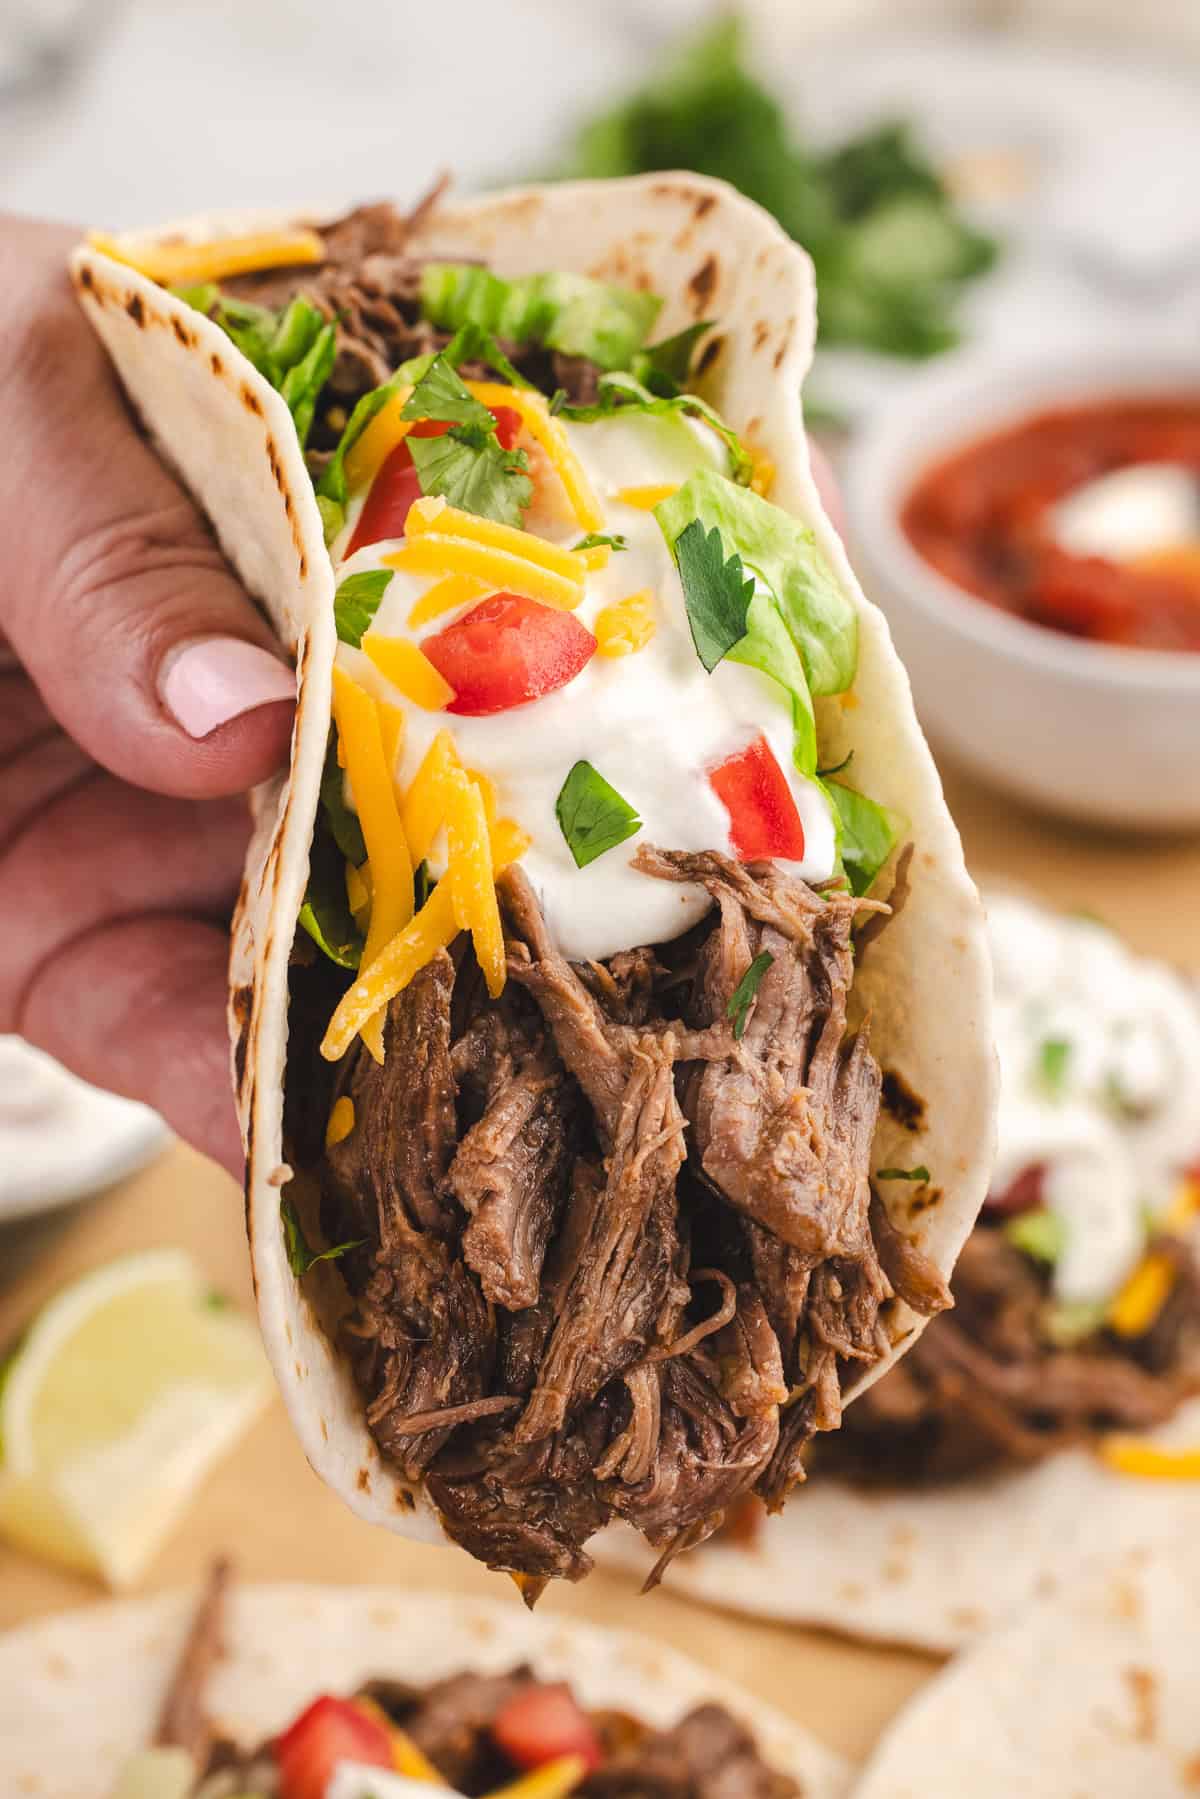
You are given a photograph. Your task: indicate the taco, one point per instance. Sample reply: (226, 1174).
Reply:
(603, 971)
(1090, 1691)
(313, 1692)
(1056, 1411)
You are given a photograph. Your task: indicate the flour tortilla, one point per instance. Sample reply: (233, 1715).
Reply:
(80, 1692)
(1089, 1695)
(934, 1568)
(925, 981)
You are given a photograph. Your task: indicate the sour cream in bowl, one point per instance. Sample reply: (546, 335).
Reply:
(1100, 1096)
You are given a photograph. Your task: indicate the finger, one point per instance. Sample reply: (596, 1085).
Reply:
(114, 593)
(101, 851)
(138, 1006)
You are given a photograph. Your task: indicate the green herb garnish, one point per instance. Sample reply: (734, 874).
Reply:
(919, 1173)
(357, 601)
(300, 1257)
(1053, 1060)
(1041, 1234)
(715, 590)
(592, 815)
(743, 995)
(470, 469)
(441, 394)
(596, 540)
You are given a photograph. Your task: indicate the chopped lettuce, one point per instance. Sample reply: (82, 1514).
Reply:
(623, 393)
(337, 839)
(784, 554)
(293, 349)
(664, 367)
(594, 319)
(1040, 1234)
(867, 834)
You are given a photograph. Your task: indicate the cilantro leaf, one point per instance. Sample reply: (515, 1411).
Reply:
(468, 468)
(595, 540)
(441, 394)
(471, 343)
(1053, 1060)
(920, 1173)
(592, 815)
(663, 367)
(300, 1257)
(1041, 1234)
(743, 995)
(357, 601)
(716, 592)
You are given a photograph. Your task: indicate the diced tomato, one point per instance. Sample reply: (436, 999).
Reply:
(508, 650)
(763, 819)
(541, 1723)
(396, 485)
(1023, 1193)
(330, 1731)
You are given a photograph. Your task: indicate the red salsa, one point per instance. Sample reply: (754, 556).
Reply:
(983, 518)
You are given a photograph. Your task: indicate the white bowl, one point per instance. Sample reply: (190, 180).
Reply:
(1088, 730)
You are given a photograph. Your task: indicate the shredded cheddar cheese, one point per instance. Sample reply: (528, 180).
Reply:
(762, 479)
(341, 1121)
(367, 454)
(646, 498)
(424, 805)
(446, 595)
(357, 719)
(1148, 1288)
(407, 1758)
(433, 554)
(358, 888)
(410, 671)
(433, 928)
(180, 264)
(550, 436)
(626, 626)
(391, 729)
(434, 515)
(1130, 1455)
(553, 1780)
(469, 874)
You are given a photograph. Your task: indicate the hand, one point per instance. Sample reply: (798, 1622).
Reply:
(141, 695)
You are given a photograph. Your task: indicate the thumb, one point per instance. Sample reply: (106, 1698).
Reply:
(115, 594)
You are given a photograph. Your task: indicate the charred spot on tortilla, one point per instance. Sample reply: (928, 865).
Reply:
(215, 364)
(760, 334)
(250, 401)
(901, 1103)
(703, 283)
(85, 278)
(781, 352)
(181, 332)
(923, 1199)
(241, 1000)
(135, 307)
(703, 205)
(710, 355)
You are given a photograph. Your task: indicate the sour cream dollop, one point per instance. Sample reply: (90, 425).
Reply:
(652, 723)
(1100, 1083)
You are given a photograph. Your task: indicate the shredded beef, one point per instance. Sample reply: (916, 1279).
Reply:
(184, 1721)
(987, 1386)
(708, 1755)
(620, 1263)
(370, 282)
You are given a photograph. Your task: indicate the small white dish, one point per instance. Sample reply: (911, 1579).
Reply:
(60, 1139)
(1094, 732)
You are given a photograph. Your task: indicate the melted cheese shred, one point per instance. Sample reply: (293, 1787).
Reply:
(370, 451)
(359, 730)
(180, 264)
(433, 553)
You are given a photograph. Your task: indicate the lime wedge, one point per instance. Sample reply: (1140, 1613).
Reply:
(128, 1385)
